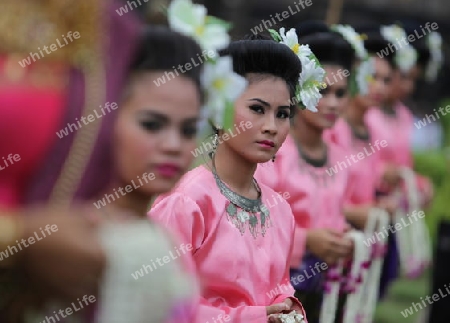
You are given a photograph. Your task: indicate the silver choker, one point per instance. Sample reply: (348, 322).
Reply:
(242, 210)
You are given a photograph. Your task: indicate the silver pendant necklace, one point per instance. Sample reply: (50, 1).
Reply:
(242, 211)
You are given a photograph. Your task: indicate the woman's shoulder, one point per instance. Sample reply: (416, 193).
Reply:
(197, 188)
(275, 201)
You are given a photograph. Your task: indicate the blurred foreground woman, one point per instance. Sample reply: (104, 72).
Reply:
(86, 255)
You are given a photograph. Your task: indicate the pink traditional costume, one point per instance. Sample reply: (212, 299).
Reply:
(213, 219)
(363, 157)
(363, 180)
(396, 129)
(243, 263)
(316, 194)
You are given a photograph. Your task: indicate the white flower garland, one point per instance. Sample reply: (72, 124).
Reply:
(378, 220)
(353, 302)
(413, 240)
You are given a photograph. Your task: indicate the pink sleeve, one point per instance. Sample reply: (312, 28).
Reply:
(299, 248)
(182, 216)
(288, 290)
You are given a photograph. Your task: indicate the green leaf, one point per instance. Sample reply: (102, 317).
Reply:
(211, 20)
(228, 117)
(275, 35)
(353, 86)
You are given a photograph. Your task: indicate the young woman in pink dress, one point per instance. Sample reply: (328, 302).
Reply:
(354, 134)
(303, 171)
(240, 230)
(393, 121)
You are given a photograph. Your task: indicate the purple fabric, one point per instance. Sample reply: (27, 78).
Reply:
(390, 269)
(122, 35)
(306, 278)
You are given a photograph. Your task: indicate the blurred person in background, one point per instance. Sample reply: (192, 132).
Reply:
(427, 133)
(354, 133)
(392, 121)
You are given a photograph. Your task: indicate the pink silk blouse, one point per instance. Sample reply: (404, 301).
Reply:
(315, 194)
(240, 274)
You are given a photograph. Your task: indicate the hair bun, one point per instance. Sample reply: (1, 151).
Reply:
(311, 27)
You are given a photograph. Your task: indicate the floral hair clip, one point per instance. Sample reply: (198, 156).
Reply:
(363, 73)
(221, 84)
(353, 38)
(406, 55)
(434, 42)
(311, 79)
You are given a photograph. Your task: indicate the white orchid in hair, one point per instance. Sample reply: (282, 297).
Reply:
(222, 87)
(312, 77)
(290, 39)
(405, 55)
(364, 75)
(192, 20)
(353, 38)
(311, 82)
(406, 58)
(434, 42)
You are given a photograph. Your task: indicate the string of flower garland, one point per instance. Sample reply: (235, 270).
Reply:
(352, 283)
(362, 73)
(378, 220)
(414, 240)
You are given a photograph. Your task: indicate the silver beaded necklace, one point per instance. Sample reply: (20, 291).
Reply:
(242, 211)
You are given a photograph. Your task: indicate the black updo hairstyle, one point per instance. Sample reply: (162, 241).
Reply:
(328, 46)
(259, 54)
(162, 50)
(376, 45)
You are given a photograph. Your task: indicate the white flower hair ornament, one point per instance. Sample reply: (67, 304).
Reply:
(362, 74)
(405, 56)
(312, 77)
(222, 86)
(353, 38)
(434, 42)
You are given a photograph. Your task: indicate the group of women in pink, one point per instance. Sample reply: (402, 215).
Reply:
(267, 215)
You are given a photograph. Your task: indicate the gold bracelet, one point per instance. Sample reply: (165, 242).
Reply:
(11, 229)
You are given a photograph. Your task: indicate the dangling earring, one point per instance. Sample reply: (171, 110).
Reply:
(215, 143)
(273, 158)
